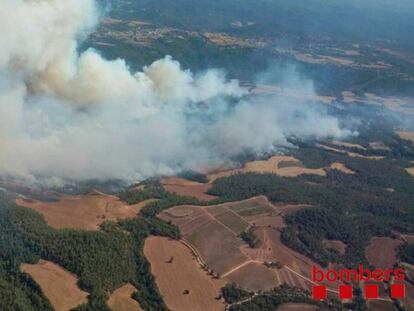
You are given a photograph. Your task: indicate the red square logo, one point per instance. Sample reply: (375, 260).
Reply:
(397, 291)
(345, 291)
(319, 292)
(371, 291)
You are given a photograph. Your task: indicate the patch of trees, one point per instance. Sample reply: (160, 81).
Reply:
(232, 293)
(406, 253)
(249, 237)
(194, 176)
(151, 189)
(273, 299)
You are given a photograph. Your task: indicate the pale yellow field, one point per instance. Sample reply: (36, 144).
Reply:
(341, 167)
(272, 166)
(83, 211)
(182, 273)
(57, 284)
(121, 299)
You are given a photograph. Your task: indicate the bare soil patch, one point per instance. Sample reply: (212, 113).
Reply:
(121, 299)
(86, 212)
(188, 188)
(382, 252)
(58, 285)
(181, 281)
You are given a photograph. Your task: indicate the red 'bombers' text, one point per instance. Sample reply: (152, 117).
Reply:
(357, 275)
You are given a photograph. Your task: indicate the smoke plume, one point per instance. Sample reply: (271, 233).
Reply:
(66, 115)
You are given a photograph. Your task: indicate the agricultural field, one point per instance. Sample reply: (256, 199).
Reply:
(57, 284)
(217, 244)
(286, 166)
(86, 212)
(213, 231)
(188, 188)
(382, 252)
(180, 277)
(121, 299)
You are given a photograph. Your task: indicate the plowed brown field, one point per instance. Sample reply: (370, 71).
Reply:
(382, 252)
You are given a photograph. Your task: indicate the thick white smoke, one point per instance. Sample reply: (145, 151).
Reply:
(76, 117)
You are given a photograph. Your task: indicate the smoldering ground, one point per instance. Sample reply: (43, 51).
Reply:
(70, 116)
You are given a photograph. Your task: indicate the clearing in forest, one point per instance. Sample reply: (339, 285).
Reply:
(57, 284)
(121, 299)
(188, 188)
(86, 211)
